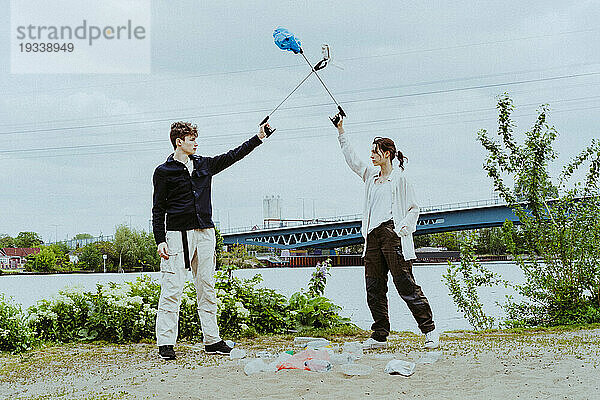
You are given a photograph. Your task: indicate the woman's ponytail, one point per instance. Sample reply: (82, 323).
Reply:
(401, 158)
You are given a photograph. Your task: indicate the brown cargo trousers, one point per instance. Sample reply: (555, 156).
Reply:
(383, 254)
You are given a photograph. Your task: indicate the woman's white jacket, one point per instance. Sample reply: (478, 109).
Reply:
(405, 210)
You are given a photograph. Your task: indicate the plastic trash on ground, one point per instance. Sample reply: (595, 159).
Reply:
(265, 355)
(400, 367)
(255, 366)
(301, 341)
(281, 358)
(317, 365)
(297, 360)
(230, 343)
(317, 344)
(430, 357)
(355, 349)
(356, 369)
(341, 358)
(237, 353)
(383, 356)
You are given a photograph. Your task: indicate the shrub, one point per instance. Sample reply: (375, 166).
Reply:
(15, 335)
(560, 224)
(463, 280)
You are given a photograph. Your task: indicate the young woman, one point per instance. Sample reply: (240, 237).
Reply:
(390, 215)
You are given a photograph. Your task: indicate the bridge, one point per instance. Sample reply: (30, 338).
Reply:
(327, 233)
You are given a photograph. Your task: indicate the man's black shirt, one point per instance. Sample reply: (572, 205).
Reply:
(185, 198)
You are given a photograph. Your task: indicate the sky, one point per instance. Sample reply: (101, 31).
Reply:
(78, 150)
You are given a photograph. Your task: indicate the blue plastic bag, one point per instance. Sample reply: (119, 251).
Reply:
(286, 40)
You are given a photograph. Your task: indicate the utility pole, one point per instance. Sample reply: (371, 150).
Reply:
(313, 207)
(55, 232)
(129, 215)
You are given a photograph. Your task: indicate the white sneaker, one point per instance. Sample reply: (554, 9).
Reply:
(432, 339)
(371, 344)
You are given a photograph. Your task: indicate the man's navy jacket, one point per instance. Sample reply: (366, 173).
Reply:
(185, 198)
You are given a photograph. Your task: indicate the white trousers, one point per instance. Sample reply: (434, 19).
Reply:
(201, 243)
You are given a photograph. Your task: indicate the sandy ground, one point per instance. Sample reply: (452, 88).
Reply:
(550, 365)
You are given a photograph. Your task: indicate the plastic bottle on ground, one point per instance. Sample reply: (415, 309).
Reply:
(341, 358)
(301, 341)
(237, 353)
(317, 344)
(355, 349)
(317, 365)
(356, 369)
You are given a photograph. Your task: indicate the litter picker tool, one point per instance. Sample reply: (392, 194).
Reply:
(285, 40)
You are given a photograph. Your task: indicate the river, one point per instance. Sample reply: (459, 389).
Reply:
(345, 287)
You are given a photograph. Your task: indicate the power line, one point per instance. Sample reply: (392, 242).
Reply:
(390, 97)
(343, 92)
(277, 139)
(239, 134)
(249, 70)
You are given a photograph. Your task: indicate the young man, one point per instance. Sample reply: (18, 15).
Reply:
(182, 193)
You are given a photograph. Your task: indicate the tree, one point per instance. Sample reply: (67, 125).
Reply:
(490, 241)
(123, 243)
(90, 257)
(6, 241)
(448, 240)
(560, 223)
(422, 241)
(82, 236)
(135, 249)
(28, 239)
(44, 261)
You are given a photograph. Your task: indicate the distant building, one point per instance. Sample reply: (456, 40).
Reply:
(16, 257)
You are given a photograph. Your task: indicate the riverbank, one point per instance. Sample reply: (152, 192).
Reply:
(554, 364)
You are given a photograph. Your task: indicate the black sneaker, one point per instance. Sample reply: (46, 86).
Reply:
(218, 348)
(166, 352)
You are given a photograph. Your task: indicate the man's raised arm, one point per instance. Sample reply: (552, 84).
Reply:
(220, 162)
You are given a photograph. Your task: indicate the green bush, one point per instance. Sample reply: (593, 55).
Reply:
(463, 280)
(243, 307)
(15, 335)
(559, 220)
(116, 313)
(127, 312)
(310, 311)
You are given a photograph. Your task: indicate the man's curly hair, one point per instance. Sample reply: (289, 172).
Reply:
(182, 129)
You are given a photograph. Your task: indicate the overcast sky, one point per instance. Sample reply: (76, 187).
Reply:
(427, 76)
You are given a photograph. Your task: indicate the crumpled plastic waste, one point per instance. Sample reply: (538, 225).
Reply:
(286, 40)
(237, 353)
(317, 365)
(301, 341)
(317, 344)
(257, 365)
(400, 367)
(355, 349)
(298, 360)
(341, 358)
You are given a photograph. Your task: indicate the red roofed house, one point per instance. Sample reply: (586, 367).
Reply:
(15, 257)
